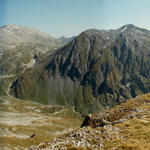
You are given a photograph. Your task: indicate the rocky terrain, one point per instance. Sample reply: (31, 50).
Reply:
(20, 48)
(97, 70)
(124, 127)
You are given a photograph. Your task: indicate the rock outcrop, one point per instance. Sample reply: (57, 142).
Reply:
(118, 114)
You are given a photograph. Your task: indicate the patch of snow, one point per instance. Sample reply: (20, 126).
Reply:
(107, 45)
(37, 110)
(31, 63)
(125, 28)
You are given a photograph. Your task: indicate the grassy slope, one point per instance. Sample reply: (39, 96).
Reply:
(21, 119)
(131, 133)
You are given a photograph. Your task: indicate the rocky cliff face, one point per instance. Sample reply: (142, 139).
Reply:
(96, 70)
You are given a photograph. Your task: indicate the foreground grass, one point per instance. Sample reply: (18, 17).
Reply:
(130, 132)
(19, 120)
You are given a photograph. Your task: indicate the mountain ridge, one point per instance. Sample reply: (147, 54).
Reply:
(96, 70)
(19, 49)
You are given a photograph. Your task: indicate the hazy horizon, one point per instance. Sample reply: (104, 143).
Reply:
(68, 17)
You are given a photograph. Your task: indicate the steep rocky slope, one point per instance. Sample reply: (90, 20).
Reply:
(127, 127)
(19, 49)
(96, 70)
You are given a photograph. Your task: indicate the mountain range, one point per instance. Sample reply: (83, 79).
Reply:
(96, 70)
(20, 47)
(89, 73)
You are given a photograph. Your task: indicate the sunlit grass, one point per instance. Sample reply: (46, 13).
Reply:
(26, 118)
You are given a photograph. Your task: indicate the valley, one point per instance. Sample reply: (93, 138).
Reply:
(19, 120)
(74, 75)
(20, 48)
(48, 86)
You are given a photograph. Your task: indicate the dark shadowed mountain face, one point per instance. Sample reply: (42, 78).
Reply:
(98, 69)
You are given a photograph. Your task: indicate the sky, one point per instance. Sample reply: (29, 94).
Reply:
(71, 17)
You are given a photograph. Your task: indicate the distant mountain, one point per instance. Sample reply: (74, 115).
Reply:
(96, 70)
(67, 40)
(12, 36)
(20, 46)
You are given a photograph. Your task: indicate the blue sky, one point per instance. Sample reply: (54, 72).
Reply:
(70, 17)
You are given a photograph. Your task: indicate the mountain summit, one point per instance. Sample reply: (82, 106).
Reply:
(13, 35)
(96, 70)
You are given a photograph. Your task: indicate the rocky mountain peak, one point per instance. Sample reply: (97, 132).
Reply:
(20, 30)
(10, 27)
(96, 70)
(17, 34)
(128, 26)
(132, 29)
(18, 47)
